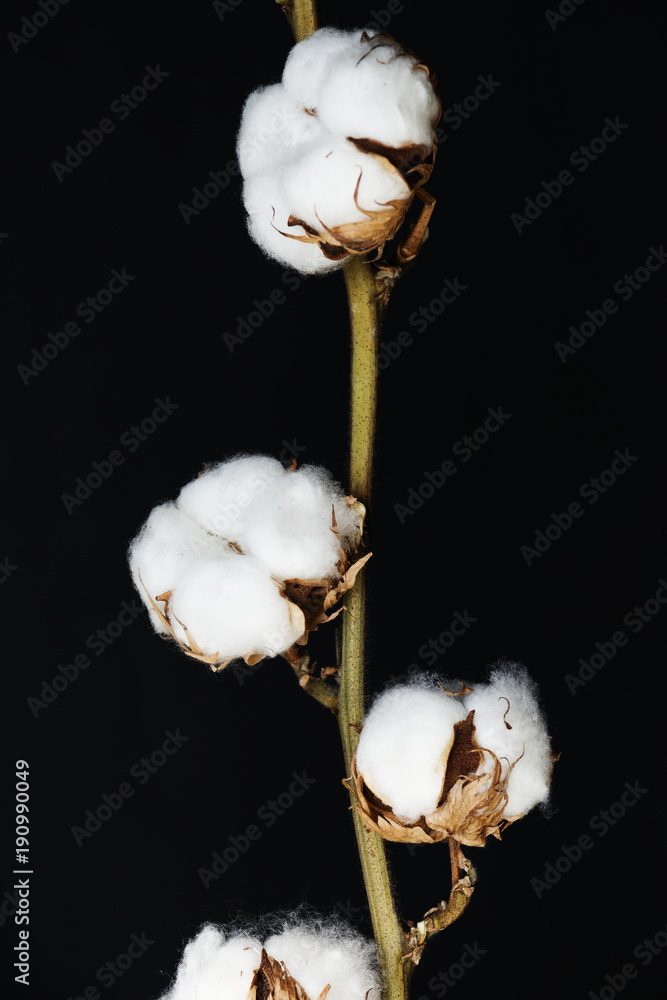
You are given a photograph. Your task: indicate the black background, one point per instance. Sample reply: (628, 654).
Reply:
(162, 338)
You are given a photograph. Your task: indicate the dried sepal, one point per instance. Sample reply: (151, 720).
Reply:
(272, 981)
(470, 806)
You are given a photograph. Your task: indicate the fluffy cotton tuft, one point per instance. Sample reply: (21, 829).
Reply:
(217, 967)
(220, 498)
(526, 745)
(303, 148)
(232, 607)
(167, 545)
(400, 753)
(290, 526)
(212, 968)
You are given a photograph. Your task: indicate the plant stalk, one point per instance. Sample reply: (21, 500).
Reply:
(302, 16)
(389, 937)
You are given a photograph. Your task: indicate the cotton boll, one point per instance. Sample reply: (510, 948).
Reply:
(342, 959)
(219, 499)
(212, 968)
(167, 544)
(274, 129)
(384, 96)
(268, 215)
(528, 782)
(232, 607)
(400, 751)
(321, 188)
(290, 527)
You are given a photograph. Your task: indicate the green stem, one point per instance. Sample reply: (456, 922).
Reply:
(302, 16)
(389, 937)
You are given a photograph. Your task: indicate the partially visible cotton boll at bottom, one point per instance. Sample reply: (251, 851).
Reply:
(168, 543)
(404, 745)
(510, 699)
(233, 607)
(215, 966)
(328, 957)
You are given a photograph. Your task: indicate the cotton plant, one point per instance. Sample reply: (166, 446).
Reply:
(251, 556)
(247, 560)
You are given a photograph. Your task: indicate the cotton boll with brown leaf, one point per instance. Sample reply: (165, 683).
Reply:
(306, 961)
(476, 798)
(332, 158)
(404, 747)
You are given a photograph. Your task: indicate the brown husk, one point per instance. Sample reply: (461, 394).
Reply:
(272, 981)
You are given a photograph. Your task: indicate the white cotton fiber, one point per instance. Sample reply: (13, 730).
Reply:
(528, 782)
(274, 129)
(294, 153)
(232, 607)
(219, 499)
(167, 544)
(217, 967)
(317, 958)
(401, 746)
(214, 969)
(289, 527)
(268, 215)
(383, 96)
(310, 62)
(321, 190)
